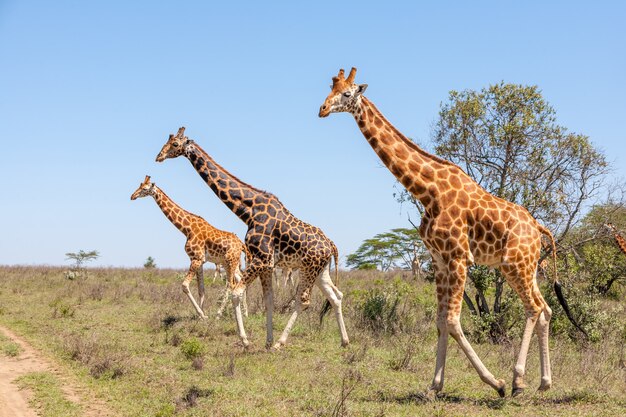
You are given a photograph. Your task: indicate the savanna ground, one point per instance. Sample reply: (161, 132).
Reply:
(130, 337)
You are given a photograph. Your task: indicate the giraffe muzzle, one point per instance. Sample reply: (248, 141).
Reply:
(324, 110)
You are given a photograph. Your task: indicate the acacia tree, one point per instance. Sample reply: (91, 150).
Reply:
(506, 138)
(79, 258)
(400, 247)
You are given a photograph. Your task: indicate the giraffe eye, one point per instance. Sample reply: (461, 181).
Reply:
(175, 144)
(347, 94)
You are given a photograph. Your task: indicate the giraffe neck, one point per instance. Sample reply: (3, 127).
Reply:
(413, 167)
(237, 195)
(621, 243)
(173, 211)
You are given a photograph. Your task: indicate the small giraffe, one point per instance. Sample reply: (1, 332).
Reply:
(462, 224)
(287, 275)
(621, 242)
(275, 237)
(204, 242)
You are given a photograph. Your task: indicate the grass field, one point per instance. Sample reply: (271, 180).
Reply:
(132, 338)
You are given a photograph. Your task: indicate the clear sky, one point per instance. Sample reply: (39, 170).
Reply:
(90, 91)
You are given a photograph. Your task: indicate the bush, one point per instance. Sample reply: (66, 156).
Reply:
(11, 349)
(377, 309)
(193, 348)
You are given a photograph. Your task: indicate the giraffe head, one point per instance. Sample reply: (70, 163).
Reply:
(344, 94)
(145, 189)
(174, 147)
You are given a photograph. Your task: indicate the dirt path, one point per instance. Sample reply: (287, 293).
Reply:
(14, 402)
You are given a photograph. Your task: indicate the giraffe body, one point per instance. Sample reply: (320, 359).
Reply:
(462, 224)
(275, 238)
(205, 243)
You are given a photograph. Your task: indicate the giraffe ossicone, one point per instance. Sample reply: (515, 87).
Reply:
(462, 224)
(275, 237)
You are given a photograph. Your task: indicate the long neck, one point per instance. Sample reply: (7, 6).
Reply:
(175, 214)
(414, 168)
(236, 194)
(620, 242)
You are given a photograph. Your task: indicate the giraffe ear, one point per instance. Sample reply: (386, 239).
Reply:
(361, 89)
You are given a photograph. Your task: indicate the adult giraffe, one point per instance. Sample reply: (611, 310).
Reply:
(275, 237)
(462, 224)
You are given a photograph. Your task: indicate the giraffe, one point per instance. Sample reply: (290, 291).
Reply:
(621, 242)
(204, 243)
(462, 224)
(287, 275)
(275, 238)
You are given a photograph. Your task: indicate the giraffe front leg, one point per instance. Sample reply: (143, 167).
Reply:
(452, 299)
(193, 271)
(268, 298)
(302, 299)
(442, 348)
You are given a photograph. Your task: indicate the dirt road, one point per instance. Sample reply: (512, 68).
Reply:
(14, 402)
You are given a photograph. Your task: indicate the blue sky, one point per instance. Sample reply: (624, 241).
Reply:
(91, 90)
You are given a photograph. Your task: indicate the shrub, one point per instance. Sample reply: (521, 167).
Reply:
(193, 348)
(11, 349)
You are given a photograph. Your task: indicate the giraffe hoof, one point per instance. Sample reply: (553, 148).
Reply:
(277, 346)
(545, 385)
(431, 394)
(516, 391)
(501, 388)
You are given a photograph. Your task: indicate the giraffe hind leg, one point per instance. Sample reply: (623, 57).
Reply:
(334, 296)
(538, 314)
(193, 271)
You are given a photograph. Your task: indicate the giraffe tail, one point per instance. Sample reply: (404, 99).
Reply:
(558, 289)
(326, 307)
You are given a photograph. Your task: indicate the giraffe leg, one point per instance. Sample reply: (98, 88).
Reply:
(334, 296)
(451, 301)
(442, 329)
(244, 295)
(522, 281)
(268, 298)
(238, 293)
(543, 330)
(442, 347)
(232, 268)
(292, 320)
(223, 300)
(200, 278)
(196, 264)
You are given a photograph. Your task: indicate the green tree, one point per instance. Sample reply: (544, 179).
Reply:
(79, 258)
(398, 248)
(150, 263)
(596, 261)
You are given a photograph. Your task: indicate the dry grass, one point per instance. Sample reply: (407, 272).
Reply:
(133, 337)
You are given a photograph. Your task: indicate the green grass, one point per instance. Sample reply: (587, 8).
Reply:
(8, 347)
(48, 398)
(131, 336)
